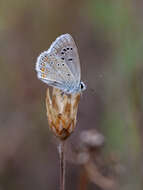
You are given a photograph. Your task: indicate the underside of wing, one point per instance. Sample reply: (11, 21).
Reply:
(65, 48)
(54, 71)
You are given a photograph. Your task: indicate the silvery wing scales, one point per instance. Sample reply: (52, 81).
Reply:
(59, 66)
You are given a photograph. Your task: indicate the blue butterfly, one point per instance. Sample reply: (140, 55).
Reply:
(59, 66)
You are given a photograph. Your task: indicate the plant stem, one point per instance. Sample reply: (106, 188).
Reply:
(62, 164)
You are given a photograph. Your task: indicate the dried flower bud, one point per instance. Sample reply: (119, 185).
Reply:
(62, 112)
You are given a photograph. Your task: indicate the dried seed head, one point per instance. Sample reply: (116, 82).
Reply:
(62, 112)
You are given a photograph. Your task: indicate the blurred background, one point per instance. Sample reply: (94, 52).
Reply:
(109, 36)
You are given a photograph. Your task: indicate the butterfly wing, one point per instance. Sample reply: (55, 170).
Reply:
(65, 47)
(52, 70)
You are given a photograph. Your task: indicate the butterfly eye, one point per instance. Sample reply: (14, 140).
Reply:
(70, 59)
(62, 53)
(62, 58)
(67, 48)
(81, 85)
(71, 48)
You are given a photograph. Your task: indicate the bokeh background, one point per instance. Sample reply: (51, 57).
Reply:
(109, 36)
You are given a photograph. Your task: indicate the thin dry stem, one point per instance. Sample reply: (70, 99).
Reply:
(62, 164)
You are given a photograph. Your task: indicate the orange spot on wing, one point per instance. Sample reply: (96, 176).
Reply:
(42, 69)
(46, 59)
(43, 76)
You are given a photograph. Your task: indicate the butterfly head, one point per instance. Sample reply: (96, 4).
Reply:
(82, 86)
(73, 90)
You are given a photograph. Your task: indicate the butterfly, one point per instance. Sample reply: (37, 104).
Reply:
(59, 66)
